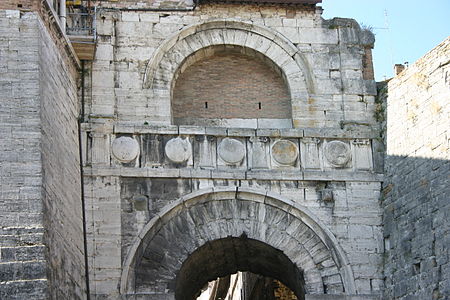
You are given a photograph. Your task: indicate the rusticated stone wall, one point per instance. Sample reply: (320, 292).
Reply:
(22, 249)
(60, 159)
(417, 187)
(41, 226)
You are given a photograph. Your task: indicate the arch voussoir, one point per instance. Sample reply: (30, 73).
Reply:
(195, 42)
(194, 221)
(220, 32)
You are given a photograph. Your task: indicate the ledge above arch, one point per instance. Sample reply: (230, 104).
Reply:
(296, 238)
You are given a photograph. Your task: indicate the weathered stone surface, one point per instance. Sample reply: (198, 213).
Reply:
(284, 152)
(41, 235)
(204, 152)
(337, 153)
(177, 238)
(259, 153)
(362, 155)
(128, 92)
(310, 153)
(231, 151)
(417, 187)
(178, 150)
(125, 148)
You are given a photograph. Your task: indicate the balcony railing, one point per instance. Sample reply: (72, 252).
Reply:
(81, 23)
(81, 30)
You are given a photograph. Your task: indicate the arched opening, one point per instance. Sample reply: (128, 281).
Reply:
(246, 286)
(230, 86)
(223, 257)
(290, 234)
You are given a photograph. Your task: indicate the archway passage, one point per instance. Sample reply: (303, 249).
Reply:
(246, 286)
(229, 82)
(169, 239)
(226, 256)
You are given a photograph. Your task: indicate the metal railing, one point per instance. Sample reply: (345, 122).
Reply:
(81, 23)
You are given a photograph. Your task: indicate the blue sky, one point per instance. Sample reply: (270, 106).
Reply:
(415, 27)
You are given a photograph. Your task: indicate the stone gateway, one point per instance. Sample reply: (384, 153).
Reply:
(215, 149)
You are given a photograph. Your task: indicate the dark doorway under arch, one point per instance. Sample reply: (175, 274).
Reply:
(227, 256)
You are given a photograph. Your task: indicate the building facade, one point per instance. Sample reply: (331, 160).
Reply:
(165, 144)
(227, 121)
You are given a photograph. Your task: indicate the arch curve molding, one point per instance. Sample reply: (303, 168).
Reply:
(204, 216)
(171, 54)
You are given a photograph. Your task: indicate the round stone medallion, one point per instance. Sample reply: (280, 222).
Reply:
(337, 153)
(284, 152)
(231, 151)
(178, 150)
(125, 148)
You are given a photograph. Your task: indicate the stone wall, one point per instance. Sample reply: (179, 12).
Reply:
(323, 61)
(61, 171)
(41, 230)
(132, 187)
(23, 253)
(140, 167)
(416, 191)
(19, 4)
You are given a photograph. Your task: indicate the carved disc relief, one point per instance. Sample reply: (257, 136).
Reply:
(231, 151)
(125, 148)
(178, 150)
(285, 152)
(337, 153)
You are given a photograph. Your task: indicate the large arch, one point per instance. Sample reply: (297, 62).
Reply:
(168, 240)
(176, 49)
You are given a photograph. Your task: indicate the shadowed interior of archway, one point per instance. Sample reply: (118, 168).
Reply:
(192, 222)
(229, 255)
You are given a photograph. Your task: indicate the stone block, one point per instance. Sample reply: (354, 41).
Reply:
(216, 131)
(274, 123)
(308, 23)
(12, 14)
(289, 22)
(191, 130)
(318, 36)
(149, 17)
(291, 33)
(362, 154)
(273, 22)
(129, 80)
(241, 132)
(130, 17)
(105, 27)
